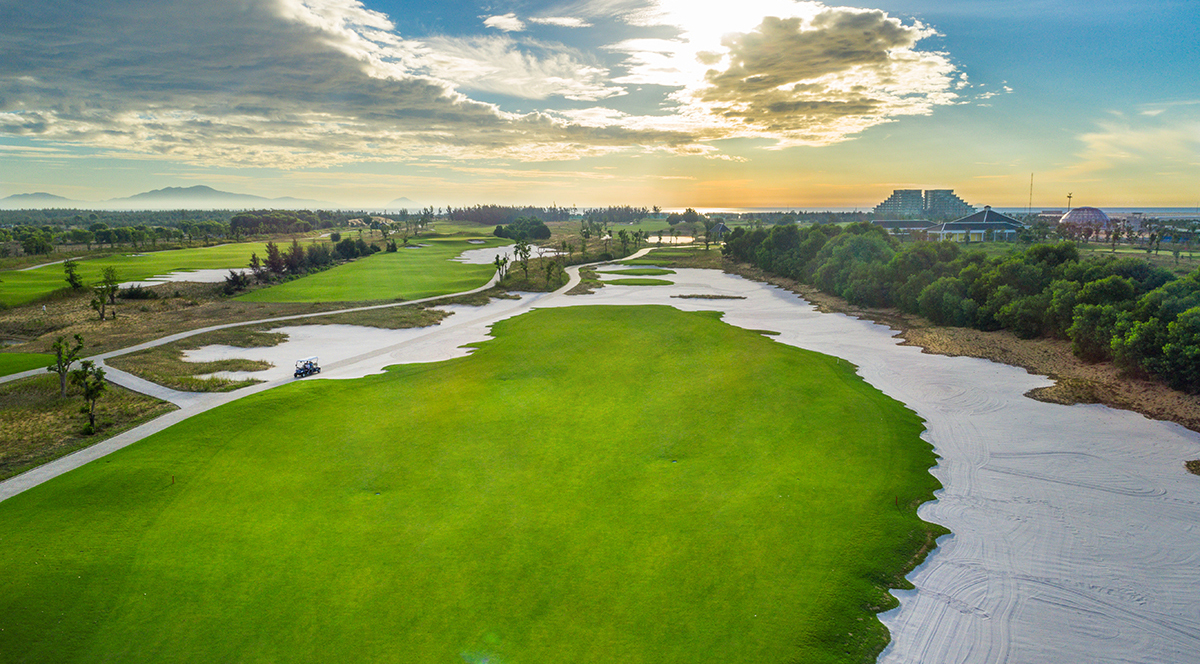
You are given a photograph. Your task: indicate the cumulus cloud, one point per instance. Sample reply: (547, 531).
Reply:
(297, 83)
(507, 23)
(813, 76)
(288, 83)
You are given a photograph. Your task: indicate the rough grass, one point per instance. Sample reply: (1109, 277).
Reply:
(37, 426)
(1193, 466)
(596, 484)
(408, 274)
(638, 282)
(391, 318)
(165, 364)
(12, 363)
(640, 272)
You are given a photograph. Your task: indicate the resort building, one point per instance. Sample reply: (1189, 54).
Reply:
(987, 225)
(902, 203)
(931, 203)
(943, 204)
(1087, 217)
(903, 228)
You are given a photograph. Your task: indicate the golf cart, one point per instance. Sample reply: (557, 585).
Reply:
(306, 367)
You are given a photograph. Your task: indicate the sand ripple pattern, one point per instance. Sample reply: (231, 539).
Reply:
(1076, 530)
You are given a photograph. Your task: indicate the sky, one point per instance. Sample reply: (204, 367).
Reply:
(674, 103)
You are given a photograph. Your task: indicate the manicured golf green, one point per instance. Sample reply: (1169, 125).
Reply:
(596, 484)
(22, 286)
(410, 273)
(11, 363)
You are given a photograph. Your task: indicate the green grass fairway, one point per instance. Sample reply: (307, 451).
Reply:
(21, 287)
(11, 363)
(596, 484)
(637, 282)
(409, 274)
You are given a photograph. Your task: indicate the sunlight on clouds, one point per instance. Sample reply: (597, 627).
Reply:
(797, 72)
(507, 23)
(526, 70)
(301, 83)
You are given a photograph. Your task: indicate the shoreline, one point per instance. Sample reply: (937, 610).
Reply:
(1075, 381)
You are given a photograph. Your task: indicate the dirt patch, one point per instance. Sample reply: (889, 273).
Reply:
(179, 307)
(38, 426)
(1076, 381)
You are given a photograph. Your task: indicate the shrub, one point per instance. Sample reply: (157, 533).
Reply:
(137, 293)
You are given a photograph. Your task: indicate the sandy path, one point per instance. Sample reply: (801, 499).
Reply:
(1076, 528)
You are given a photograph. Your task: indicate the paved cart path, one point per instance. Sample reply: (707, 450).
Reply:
(194, 403)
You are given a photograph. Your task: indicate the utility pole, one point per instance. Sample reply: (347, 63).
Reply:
(1069, 202)
(1029, 209)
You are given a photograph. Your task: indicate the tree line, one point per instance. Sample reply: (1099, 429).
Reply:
(1122, 309)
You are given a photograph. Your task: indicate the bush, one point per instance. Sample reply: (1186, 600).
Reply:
(335, 237)
(945, 302)
(137, 293)
(236, 281)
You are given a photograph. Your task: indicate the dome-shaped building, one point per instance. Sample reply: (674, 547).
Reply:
(1086, 216)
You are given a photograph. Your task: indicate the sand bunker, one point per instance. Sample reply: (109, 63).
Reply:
(1076, 528)
(197, 276)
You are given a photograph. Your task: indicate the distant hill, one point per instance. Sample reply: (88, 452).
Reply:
(38, 200)
(201, 197)
(403, 202)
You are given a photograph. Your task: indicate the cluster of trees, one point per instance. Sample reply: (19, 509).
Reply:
(1123, 309)
(500, 215)
(524, 228)
(36, 240)
(89, 378)
(616, 214)
(273, 222)
(297, 259)
(688, 216)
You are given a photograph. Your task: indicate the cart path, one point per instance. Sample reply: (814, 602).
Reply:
(194, 403)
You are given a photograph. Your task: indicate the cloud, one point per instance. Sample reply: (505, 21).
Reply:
(1167, 138)
(561, 21)
(290, 83)
(507, 23)
(524, 69)
(813, 76)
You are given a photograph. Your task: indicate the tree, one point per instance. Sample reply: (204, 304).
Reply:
(275, 261)
(501, 265)
(522, 250)
(64, 356)
(90, 378)
(551, 266)
(111, 283)
(71, 268)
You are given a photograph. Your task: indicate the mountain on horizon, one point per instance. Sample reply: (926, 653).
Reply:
(403, 202)
(198, 197)
(205, 197)
(36, 199)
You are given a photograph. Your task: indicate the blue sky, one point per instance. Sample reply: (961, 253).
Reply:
(758, 103)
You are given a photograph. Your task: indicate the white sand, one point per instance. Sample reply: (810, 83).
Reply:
(1076, 529)
(205, 276)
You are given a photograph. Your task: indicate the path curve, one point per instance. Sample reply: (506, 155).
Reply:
(194, 403)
